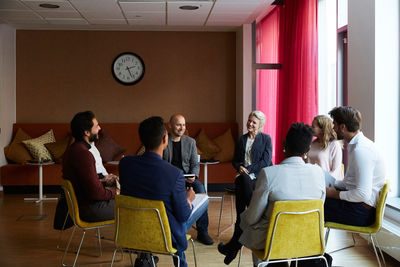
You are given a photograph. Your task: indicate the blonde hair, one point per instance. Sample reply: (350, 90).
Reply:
(260, 116)
(326, 125)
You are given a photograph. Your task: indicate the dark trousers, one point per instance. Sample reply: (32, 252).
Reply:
(244, 187)
(97, 211)
(350, 213)
(202, 222)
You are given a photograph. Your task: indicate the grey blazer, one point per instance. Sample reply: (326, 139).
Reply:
(190, 161)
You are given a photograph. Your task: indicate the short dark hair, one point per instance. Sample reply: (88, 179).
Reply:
(298, 139)
(151, 132)
(348, 116)
(82, 121)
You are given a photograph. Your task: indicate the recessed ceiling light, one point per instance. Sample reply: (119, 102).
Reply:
(189, 7)
(49, 5)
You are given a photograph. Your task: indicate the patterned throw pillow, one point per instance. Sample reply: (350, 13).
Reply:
(207, 146)
(227, 145)
(36, 146)
(16, 151)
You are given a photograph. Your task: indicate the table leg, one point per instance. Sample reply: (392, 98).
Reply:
(205, 177)
(41, 197)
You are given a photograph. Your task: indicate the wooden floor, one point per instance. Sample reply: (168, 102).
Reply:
(27, 238)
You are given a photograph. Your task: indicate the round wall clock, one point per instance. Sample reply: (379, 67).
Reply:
(128, 68)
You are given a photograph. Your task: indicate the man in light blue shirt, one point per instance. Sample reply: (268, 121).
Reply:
(353, 200)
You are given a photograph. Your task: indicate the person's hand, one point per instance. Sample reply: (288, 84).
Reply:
(190, 179)
(331, 192)
(117, 191)
(190, 195)
(243, 170)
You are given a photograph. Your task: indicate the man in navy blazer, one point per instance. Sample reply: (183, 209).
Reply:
(150, 177)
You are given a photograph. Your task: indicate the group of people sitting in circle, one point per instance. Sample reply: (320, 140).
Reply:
(312, 169)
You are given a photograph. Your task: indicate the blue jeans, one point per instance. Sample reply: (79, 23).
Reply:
(188, 224)
(350, 213)
(202, 222)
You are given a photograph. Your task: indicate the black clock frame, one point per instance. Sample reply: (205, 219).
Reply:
(128, 83)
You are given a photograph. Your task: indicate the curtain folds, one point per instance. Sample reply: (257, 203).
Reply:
(288, 35)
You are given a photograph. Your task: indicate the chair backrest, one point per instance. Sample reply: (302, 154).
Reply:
(72, 203)
(295, 230)
(380, 207)
(142, 224)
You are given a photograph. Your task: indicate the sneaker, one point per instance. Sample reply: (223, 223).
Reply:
(205, 238)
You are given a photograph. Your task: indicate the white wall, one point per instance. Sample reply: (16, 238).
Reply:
(361, 60)
(387, 86)
(7, 86)
(243, 76)
(373, 62)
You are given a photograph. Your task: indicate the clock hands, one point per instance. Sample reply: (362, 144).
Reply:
(129, 70)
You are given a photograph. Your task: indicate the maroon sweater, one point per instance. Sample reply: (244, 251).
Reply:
(79, 167)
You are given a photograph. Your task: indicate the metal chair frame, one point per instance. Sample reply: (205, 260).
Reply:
(220, 214)
(130, 250)
(267, 260)
(372, 236)
(84, 229)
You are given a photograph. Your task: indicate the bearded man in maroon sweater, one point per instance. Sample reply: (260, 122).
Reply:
(95, 201)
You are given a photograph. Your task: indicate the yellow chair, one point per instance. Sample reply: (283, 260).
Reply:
(295, 233)
(142, 226)
(73, 211)
(369, 230)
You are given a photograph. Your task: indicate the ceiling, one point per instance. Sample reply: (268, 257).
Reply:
(131, 14)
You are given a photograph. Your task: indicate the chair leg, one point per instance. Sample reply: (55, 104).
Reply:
(240, 256)
(113, 257)
(66, 248)
(179, 260)
(99, 239)
(376, 253)
(380, 250)
(220, 214)
(353, 245)
(61, 232)
(327, 236)
(130, 257)
(194, 253)
(79, 249)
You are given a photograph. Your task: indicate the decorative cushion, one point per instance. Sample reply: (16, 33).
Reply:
(207, 146)
(36, 146)
(227, 145)
(108, 148)
(141, 151)
(58, 148)
(16, 151)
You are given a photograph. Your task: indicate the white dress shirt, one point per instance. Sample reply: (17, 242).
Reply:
(99, 161)
(365, 174)
(291, 180)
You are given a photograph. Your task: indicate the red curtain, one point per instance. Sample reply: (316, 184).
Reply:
(267, 42)
(295, 96)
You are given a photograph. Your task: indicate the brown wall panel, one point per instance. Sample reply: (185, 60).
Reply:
(62, 72)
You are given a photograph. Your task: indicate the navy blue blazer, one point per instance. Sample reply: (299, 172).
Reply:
(261, 153)
(150, 177)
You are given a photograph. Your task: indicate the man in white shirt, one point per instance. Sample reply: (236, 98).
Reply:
(101, 171)
(352, 201)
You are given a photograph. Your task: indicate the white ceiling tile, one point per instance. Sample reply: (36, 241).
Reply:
(235, 7)
(68, 21)
(108, 21)
(153, 22)
(15, 5)
(95, 5)
(141, 6)
(228, 17)
(59, 14)
(11, 14)
(177, 16)
(63, 5)
(28, 22)
(103, 14)
(147, 15)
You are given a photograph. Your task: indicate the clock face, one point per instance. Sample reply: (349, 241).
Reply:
(128, 68)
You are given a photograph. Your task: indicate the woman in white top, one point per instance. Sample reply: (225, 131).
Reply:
(325, 150)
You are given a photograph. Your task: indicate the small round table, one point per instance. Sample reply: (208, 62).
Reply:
(205, 163)
(41, 196)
